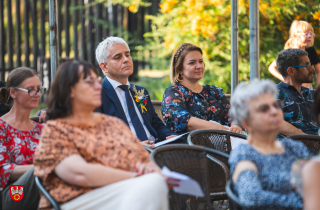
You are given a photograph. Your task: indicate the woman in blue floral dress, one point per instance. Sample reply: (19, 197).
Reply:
(188, 105)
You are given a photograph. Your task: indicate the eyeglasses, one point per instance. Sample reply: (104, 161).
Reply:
(32, 92)
(92, 81)
(308, 66)
(264, 108)
(312, 35)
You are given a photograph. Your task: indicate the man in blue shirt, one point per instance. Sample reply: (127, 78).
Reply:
(295, 67)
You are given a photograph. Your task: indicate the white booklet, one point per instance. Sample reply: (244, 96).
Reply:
(169, 140)
(187, 185)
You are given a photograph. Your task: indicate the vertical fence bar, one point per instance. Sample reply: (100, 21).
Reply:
(105, 30)
(59, 26)
(234, 45)
(110, 18)
(254, 39)
(83, 32)
(26, 34)
(2, 38)
(42, 28)
(9, 33)
(90, 41)
(98, 17)
(53, 38)
(35, 44)
(18, 34)
(119, 18)
(66, 28)
(75, 28)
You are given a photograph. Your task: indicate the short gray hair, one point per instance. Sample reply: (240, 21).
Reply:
(240, 99)
(102, 53)
(289, 57)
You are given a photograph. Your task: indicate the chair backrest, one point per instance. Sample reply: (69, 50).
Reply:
(157, 108)
(234, 201)
(312, 142)
(193, 162)
(46, 194)
(214, 139)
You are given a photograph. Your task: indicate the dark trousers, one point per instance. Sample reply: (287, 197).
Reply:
(31, 196)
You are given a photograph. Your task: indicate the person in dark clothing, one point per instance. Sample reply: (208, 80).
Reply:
(3, 108)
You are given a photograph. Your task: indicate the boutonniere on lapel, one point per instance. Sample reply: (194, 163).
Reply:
(140, 98)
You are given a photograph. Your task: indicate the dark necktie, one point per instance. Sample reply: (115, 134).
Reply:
(141, 133)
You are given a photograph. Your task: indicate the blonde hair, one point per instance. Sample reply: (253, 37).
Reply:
(298, 26)
(178, 58)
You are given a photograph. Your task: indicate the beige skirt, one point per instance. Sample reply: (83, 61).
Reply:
(147, 192)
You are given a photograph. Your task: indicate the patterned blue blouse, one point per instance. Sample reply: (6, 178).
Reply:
(270, 188)
(297, 108)
(179, 104)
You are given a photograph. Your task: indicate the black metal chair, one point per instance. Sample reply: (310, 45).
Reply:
(193, 162)
(157, 108)
(46, 194)
(312, 142)
(214, 139)
(234, 201)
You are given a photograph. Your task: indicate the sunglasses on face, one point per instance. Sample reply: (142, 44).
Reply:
(308, 66)
(264, 108)
(32, 92)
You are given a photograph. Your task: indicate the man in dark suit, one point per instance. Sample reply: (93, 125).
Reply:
(129, 102)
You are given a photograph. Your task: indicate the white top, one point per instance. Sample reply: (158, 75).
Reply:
(122, 97)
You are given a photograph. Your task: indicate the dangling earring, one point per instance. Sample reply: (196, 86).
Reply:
(180, 77)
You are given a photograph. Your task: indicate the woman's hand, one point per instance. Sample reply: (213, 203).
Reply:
(43, 116)
(236, 129)
(145, 168)
(148, 143)
(151, 167)
(169, 137)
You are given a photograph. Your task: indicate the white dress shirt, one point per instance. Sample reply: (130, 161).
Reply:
(122, 97)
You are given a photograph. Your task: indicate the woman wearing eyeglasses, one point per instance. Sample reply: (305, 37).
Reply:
(88, 160)
(301, 36)
(260, 169)
(19, 138)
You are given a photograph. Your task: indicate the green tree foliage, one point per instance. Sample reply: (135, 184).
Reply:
(206, 23)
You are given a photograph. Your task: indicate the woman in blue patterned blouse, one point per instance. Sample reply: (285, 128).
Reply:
(260, 170)
(188, 105)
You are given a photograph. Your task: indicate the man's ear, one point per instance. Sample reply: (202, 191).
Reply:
(290, 71)
(104, 68)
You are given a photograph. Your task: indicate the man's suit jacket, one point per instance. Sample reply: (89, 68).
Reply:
(111, 106)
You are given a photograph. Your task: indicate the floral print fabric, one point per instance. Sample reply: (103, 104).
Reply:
(297, 108)
(107, 141)
(179, 104)
(16, 147)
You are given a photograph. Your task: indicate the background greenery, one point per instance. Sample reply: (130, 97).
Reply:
(206, 23)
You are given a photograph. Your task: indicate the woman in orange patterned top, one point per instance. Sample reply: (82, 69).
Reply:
(19, 138)
(89, 159)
